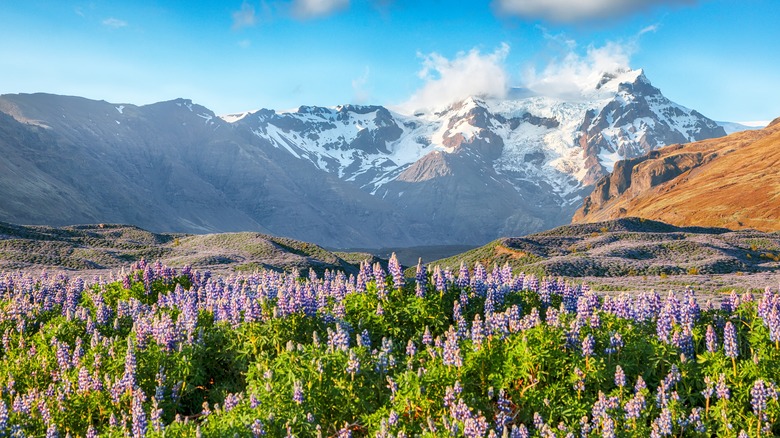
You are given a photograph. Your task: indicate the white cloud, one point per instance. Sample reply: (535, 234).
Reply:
(361, 93)
(114, 22)
(567, 76)
(651, 29)
(468, 74)
(306, 9)
(244, 17)
(569, 11)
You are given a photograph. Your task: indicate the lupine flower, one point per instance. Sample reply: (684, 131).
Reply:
(620, 377)
(711, 339)
(519, 431)
(588, 345)
(503, 415)
(421, 277)
(721, 389)
(395, 270)
(353, 364)
(758, 397)
(730, 340)
(298, 392)
(139, 415)
(257, 429)
(451, 353)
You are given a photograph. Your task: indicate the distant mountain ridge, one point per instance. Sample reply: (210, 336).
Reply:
(729, 182)
(349, 176)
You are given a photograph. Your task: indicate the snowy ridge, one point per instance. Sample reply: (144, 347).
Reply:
(558, 146)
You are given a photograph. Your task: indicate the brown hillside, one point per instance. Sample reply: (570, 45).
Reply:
(731, 182)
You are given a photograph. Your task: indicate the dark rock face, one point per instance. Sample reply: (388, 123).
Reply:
(638, 175)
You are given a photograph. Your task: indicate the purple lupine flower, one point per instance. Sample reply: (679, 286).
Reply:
(156, 416)
(3, 416)
(504, 414)
(463, 276)
(759, 394)
(620, 377)
(51, 431)
(664, 325)
(139, 415)
(427, 339)
(298, 392)
(588, 345)
(477, 333)
(538, 420)
(396, 271)
(345, 432)
(392, 419)
(709, 388)
(411, 349)
(635, 406)
(353, 364)
(662, 426)
(519, 431)
(364, 340)
(694, 419)
(421, 277)
(615, 343)
(439, 279)
(91, 432)
(711, 339)
(451, 353)
(721, 390)
(730, 340)
(257, 429)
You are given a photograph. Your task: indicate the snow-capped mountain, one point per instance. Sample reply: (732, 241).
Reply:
(550, 146)
(345, 176)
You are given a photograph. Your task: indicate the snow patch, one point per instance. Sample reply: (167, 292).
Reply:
(120, 108)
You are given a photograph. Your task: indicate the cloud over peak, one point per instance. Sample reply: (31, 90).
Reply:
(468, 74)
(572, 11)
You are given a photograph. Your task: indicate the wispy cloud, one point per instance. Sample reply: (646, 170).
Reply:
(649, 29)
(468, 74)
(306, 9)
(244, 44)
(571, 11)
(361, 93)
(244, 17)
(114, 22)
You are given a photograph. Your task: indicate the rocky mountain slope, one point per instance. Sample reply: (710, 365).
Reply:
(629, 247)
(94, 247)
(349, 176)
(728, 182)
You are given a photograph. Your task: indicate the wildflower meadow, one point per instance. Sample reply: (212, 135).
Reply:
(164, 352)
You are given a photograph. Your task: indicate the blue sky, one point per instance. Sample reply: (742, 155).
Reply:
(716, 56)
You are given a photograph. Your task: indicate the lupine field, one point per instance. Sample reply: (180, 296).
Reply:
(477, 353)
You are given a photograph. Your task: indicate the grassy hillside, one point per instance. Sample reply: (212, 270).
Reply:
(111, 246)
(629, 247)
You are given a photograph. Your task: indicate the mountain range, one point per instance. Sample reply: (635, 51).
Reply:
(349, 176)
